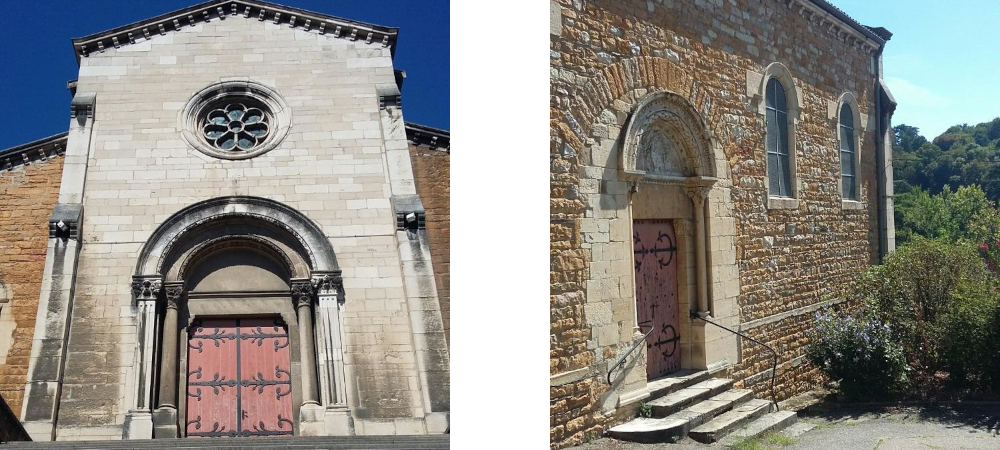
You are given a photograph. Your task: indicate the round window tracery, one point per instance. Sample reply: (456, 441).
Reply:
(235, 120)
(236, 127)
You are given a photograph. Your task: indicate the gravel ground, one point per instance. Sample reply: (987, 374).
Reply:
(869, 428)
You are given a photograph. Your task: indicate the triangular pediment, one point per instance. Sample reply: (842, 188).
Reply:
(191, 16)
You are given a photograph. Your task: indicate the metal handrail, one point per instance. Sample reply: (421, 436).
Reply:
(774, 355)
(621, 360)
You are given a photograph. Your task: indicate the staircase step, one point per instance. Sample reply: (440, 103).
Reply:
(775, 421)
(431, 442)
(677, 425)
(798, 429)
(671, 403)
(725, 423)
(676, 381)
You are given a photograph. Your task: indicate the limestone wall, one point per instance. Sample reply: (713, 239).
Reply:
(432, 175)
(330, 167)
(27, 196)
(604, 57)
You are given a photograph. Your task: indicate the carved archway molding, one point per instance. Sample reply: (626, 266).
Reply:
(667, 141)
(195, 234)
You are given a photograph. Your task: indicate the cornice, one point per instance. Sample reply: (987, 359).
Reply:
(33, 152)
(837, 23)
(221, 10)
(435, 138)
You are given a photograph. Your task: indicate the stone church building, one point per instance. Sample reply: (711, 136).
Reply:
(237, 235)
(713, 164)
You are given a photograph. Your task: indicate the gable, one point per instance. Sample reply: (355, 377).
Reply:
(143, 32)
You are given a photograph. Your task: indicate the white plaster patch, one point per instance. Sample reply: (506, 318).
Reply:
(166, 60)
(254, 57)
(143, 46)
(89, 70)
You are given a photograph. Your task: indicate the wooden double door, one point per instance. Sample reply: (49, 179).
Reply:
(239, 380)
(655, 254)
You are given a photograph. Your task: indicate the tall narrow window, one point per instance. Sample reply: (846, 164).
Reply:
(778, 164)
(848, 184)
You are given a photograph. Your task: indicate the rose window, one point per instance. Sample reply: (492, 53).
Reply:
(236, 127)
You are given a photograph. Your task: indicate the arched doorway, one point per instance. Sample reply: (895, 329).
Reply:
(239, 297)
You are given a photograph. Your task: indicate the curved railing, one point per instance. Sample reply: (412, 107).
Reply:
(621, 360)
(774, 355)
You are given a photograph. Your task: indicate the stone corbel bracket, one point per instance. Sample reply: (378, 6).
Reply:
(82, 105)
(33, 152)
(388, 96)
(309, 21)
(65, 221)
(410, 214)
(433, 138)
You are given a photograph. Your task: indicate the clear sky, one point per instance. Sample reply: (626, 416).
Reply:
(38, 57)
(942, 63)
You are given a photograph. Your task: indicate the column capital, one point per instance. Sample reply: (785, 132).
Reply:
(302, 291)
(174, 290)
(327, 283)
(697, 194)
(146, 287)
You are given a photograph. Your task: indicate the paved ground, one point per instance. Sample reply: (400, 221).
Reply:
(909, 428)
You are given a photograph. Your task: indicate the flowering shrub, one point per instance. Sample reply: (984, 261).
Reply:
(860, 353)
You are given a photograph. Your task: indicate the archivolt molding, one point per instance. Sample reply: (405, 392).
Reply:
(261, 244)
(666, 138)
(860, 120)
(757, 86)
(277, 215)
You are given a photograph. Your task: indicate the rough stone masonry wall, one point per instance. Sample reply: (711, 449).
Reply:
(432, 175)
(27, 196)
(602, 50)
(329, 167)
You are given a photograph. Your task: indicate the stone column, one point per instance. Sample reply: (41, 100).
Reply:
(699, 197)
(43, 388)
(337, 415)
(165, 416)
(139, 420)
(310, 413)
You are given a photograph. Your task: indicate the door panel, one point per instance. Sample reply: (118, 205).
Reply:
(655, 253)
(239, 379)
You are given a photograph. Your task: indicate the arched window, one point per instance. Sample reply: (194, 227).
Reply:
(848, 174)
(778, 160)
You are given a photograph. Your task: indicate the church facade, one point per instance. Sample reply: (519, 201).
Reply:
(238, 235)
(717, 167)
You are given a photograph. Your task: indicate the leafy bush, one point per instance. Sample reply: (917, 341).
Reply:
(914, 287)
(970, 349)
(860, 353)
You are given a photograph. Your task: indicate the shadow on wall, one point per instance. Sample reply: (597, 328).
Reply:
(10, 427)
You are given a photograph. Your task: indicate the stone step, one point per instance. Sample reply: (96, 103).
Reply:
(798, 429)
(677, 425)
(725, 423)
(676, 381)
(673, 402)
(769, 422)
(431, 442)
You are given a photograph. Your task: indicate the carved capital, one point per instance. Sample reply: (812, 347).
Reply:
(697, 194)
(302, 292)
(327, 283)
(146, 288)
(173, 290)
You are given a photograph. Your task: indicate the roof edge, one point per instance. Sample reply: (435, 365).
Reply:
(435, 138)
(221, 9)
(30, 152)
(842, 17)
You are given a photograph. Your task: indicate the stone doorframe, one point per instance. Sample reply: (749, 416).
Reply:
(311, 307)
(665, 164)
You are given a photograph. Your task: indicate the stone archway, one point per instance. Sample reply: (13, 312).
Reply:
(220, 260)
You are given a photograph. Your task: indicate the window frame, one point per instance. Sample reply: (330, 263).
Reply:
(757, 91)
(849, 101)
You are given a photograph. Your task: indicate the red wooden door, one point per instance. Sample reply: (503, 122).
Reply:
(655, 252)
(239, 379)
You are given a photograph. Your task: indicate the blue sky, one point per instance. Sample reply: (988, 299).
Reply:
(38, 56)
(942, 63)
